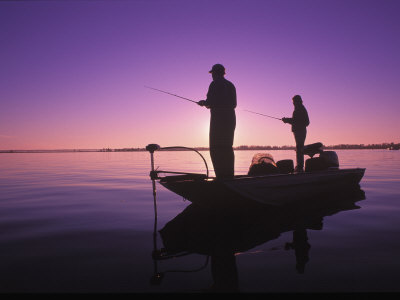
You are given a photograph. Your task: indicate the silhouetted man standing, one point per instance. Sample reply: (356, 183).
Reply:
(221, 100)
(299, 121)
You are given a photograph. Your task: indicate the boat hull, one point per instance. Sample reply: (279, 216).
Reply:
(271, 190)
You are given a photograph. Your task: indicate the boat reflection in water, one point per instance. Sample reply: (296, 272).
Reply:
(220, 235)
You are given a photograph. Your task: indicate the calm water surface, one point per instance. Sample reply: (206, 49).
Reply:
(84, 222)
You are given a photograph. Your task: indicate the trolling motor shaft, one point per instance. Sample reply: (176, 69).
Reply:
(151, 148)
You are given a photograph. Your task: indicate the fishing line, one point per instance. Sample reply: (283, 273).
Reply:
(262, 114)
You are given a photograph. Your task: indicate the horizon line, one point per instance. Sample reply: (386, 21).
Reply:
(241, 147)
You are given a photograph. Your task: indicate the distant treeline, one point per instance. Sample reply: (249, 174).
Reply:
(389, 146)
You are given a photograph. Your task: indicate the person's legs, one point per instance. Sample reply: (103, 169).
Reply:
(223, 159)
(222, 130)
(300, 137)
(214, 153)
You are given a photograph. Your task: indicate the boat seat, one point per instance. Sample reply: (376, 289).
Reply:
(313, 149)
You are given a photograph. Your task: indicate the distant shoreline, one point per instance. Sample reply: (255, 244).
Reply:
(384, 146)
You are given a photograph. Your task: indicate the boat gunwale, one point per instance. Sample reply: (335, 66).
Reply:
(245, 177)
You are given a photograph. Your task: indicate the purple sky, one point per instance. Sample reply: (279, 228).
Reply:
(72, 73)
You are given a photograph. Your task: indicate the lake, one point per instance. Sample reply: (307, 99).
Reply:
(84, 222)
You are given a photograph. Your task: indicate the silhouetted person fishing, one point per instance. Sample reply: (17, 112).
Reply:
(299, 122)
(221, 100)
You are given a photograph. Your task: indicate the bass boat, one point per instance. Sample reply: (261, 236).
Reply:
(267, 183)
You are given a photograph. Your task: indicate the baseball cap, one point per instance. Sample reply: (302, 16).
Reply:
(218, 68)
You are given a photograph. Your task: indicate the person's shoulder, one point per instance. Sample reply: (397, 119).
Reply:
(226, 80)
(218, 82)
(229, 83)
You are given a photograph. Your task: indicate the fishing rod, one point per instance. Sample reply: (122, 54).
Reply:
(261, 114)
(171, 94)
(198, 103)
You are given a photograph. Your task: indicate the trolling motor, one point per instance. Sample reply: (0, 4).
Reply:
(151, 148)
(154, 174)
(161, 254)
